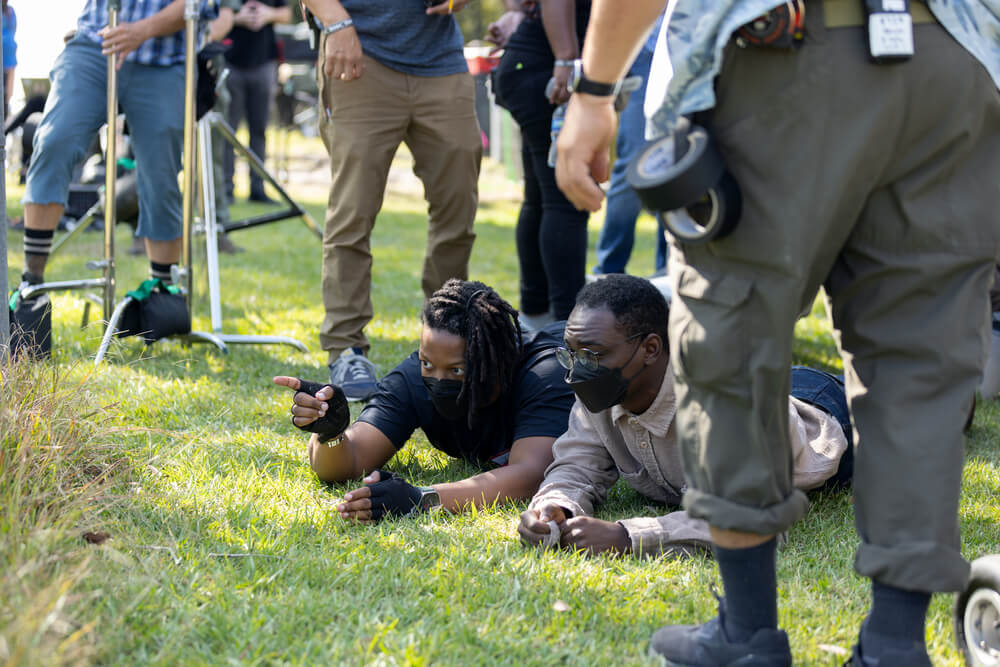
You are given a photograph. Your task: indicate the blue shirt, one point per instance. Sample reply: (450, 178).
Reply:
(696, 32)
(402, 37)
(9, 45)
(162, 51)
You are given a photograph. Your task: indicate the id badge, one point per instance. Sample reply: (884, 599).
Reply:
(890, 30)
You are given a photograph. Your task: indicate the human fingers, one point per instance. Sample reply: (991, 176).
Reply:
(551, 512)
(360, 516)
(560, 88)
(582, 150)
(302, 416)
(287, 381)
(531, 529)
(360, 493)
(574, 533)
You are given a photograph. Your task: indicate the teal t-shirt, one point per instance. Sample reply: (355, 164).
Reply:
(401, 36)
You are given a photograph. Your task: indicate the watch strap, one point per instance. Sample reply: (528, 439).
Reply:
(338, 26)
(581, 84)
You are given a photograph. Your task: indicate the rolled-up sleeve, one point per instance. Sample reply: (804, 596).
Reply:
(673, 534)
(582, 470)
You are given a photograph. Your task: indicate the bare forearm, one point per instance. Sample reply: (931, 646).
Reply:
(281, 15)
(167, 21)
(614, 35)
(512, 482)
(333, 464)
(559, 21)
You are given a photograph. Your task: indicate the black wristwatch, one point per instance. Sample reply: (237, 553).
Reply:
(579, 83)
(429, 499)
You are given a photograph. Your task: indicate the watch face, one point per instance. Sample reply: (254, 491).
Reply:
(429, 499)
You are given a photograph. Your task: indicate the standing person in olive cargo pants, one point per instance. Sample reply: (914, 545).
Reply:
(877, 181)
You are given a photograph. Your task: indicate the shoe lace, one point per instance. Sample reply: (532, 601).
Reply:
(355, 367)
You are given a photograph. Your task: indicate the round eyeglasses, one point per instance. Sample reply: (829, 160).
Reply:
(588, 359)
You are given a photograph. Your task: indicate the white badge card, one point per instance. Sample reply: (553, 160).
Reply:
(890, 30)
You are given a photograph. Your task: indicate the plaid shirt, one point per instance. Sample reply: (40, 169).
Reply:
(682, 75)
(161, 51)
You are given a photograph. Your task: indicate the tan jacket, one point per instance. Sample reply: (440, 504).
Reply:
(643, 449)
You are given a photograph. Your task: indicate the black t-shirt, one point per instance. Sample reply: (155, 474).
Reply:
(251, 49)
(530, 38)
(539, 405)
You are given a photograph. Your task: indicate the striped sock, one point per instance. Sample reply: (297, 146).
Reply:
(161, 271)
(37, 246)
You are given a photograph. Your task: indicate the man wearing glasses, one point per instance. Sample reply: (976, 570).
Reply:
(622, 425)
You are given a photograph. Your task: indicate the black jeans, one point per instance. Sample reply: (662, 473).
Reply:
(551, 233)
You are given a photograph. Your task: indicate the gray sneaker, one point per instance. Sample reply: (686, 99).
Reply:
(355, 374)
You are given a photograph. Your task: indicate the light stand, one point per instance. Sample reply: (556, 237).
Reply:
(205, 125)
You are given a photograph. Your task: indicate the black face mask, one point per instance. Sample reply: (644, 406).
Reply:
(444, 396)
(603, 388)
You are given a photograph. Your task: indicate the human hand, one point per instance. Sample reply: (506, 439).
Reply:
(560, 85)
(500, 30)
(259, 16)
(582, 149)
(448, 7)
(317, 408)
(595, 536)
(534, 527)
(342, 56)
(123, 39)
(247, 16)
(384, 494)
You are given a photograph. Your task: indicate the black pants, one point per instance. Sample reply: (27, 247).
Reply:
(251, 90)
(551, 233)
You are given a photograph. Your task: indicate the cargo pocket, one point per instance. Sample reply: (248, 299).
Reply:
(710, 327)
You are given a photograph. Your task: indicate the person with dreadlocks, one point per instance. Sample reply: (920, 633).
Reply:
(477, 388)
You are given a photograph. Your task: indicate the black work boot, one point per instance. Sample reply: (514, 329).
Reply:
(708, 645)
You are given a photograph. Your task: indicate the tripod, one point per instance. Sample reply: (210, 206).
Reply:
(198, 153)
(107, 283)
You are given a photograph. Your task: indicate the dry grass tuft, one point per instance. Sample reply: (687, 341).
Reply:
(59, 454)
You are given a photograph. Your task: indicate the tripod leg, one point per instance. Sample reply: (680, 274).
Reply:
(111, 173)
(207, 174)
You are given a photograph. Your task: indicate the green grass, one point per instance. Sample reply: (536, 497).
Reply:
(224, 548)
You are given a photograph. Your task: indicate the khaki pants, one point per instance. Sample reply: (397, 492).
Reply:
(368, 120)
(878, 181)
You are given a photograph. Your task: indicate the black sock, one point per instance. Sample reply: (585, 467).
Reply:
(37, 246)
(896, 621)
(751, 586)
(161, 271)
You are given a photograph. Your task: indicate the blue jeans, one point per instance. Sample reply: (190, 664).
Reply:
(614, 245)
(153, 100)
(827, 393)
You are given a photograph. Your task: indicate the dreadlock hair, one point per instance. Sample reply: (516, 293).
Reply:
(637, 305)
(489, 326)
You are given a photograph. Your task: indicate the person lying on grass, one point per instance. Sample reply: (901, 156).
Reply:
(478, 390)
(622, 425)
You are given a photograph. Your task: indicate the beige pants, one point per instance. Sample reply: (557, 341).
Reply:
(368, 119)
(878, 181)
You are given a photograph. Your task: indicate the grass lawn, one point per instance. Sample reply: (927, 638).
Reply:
(224, 549)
